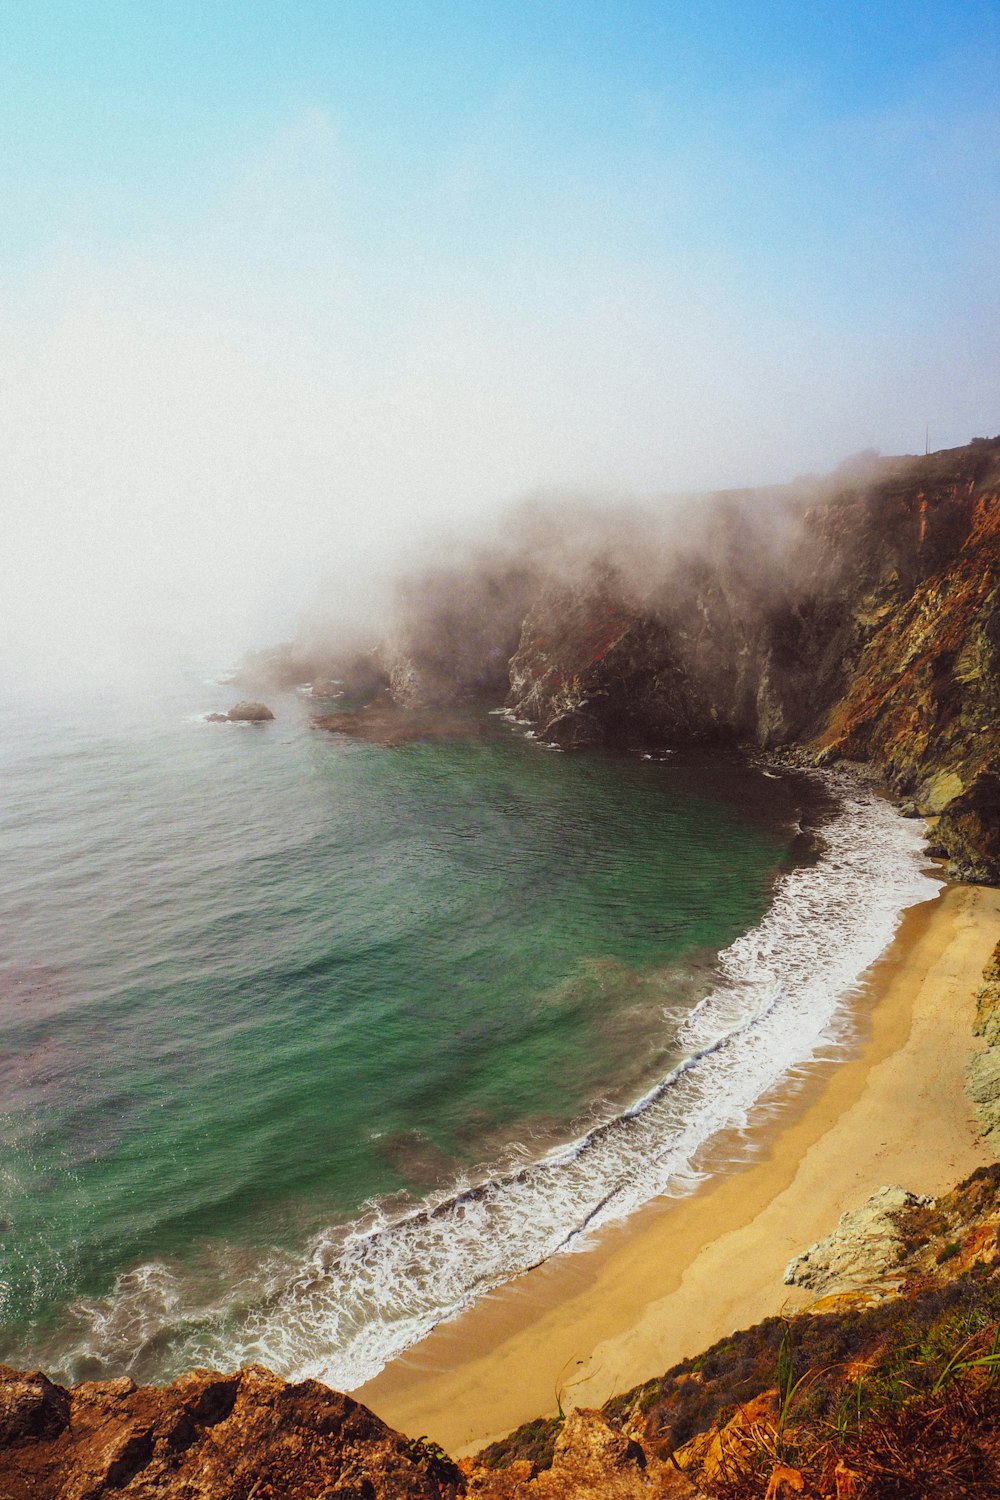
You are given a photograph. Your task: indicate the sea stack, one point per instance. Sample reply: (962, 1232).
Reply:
(243, 713)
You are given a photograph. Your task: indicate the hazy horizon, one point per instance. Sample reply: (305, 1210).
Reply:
(287, 293)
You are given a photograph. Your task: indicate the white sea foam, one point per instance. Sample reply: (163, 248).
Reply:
(361, 1295)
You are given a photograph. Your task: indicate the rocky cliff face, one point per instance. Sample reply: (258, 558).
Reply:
(883, 1389)
(865, 627)
(983, 1075)
(856, 618)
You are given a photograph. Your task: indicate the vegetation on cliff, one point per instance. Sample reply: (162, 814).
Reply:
(886, 1391)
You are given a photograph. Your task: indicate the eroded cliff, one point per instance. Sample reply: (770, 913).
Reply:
(855, 617)
(868, 630)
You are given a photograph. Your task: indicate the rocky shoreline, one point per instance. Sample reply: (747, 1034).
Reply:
(855, 618)
(877, 641)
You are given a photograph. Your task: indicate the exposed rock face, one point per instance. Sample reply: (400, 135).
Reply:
(856, 618)
(456, 627)
(716, 1425)
(206, 1437)
(592, 1457)
(897, 1239)
(923, 698)
(591, 668)
(983, 1075)
(867, 1243)
(886, 1396)
(865, 627)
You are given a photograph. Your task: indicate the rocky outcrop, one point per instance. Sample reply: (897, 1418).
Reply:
(922, 702)
(355, 672)
(898, 1239)
(243, 713)
(592, 1457)
(882, 1394)
(249, 712)
(983, 1074)
(245, 1436)
(857, 1396)
(384, 722)
(867, 1244)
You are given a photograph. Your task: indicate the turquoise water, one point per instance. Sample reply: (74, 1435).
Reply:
(256, 977)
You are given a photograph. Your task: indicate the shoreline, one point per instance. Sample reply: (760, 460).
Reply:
(681, 1273)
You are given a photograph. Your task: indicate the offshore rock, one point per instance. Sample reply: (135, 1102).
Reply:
(248, 712)
(245, 1436)
(243, 713)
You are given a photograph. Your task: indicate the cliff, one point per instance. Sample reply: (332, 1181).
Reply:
(867, 628)
(853, 618)
(884, 1389)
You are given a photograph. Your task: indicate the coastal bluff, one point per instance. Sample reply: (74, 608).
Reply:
(852, 618)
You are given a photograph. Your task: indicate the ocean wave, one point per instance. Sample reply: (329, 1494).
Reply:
(364, 1292)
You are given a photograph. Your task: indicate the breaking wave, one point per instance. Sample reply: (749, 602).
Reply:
(364, 1292)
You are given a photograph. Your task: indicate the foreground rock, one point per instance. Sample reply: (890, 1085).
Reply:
(246, 1436)
(592, 1456)
(243, 713)
(885, 1394)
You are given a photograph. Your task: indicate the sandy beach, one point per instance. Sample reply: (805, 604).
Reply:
(684, 1272)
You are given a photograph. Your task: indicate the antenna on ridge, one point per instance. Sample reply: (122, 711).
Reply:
(927, 430)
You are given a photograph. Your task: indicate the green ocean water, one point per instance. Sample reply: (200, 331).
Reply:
(257, 978)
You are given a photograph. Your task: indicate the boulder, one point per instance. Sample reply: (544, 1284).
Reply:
(243, 713)
(248, 712)
(867, 1244)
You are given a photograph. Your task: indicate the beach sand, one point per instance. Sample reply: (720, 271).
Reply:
(682, 1273)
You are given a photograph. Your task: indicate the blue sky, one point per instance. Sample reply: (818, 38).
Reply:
(285, 284)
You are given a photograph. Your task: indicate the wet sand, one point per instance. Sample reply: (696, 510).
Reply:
(682, 1273)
